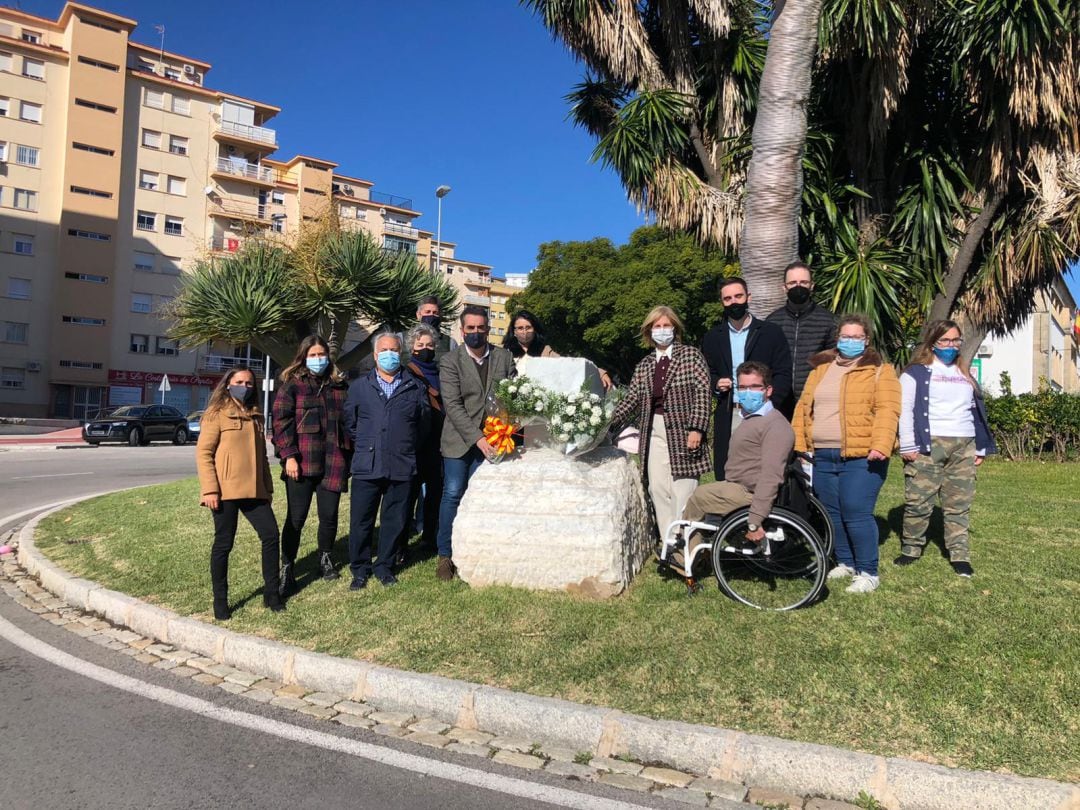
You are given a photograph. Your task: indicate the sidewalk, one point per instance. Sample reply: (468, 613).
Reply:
(56, 437)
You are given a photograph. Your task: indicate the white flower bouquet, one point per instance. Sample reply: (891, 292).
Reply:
(580, 421)
(525, 402)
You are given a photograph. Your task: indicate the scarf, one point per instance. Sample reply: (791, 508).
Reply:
(429, 370)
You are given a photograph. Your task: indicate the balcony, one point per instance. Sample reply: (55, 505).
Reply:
(481, 300)
(392, 200)
(245, 171)
(404, 230)
(239, 209)
(224, 362)
(247, 132)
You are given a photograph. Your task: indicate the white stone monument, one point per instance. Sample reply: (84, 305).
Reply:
(545, 521)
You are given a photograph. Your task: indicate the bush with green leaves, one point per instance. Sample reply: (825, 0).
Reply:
(1044, 425)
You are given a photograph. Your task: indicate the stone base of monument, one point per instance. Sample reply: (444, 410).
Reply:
(543, 521)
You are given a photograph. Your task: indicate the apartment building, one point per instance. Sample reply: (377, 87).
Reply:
(121, 166)
(501, 292)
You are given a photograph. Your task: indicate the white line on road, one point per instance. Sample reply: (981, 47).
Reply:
(51, 475)
(384, 756)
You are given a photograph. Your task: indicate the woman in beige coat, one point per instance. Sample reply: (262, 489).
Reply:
(234, 478)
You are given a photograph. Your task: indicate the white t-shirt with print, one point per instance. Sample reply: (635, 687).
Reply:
(951, 398)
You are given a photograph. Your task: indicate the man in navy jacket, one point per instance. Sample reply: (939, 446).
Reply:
(387, 415)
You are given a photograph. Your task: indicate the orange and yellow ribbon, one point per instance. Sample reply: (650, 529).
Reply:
(499, 434)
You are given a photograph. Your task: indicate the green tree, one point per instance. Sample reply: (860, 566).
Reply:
(273, 295)
(592, 296)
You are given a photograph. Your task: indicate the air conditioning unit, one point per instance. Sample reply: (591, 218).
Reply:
(348, 190)
(33, 365)
(986, 350)
(189, 70)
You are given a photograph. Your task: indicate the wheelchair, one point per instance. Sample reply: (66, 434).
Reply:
(787, 571)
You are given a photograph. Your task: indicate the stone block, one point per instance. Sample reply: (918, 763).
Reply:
(680, 745)
(464, 735)
(667, 776)
(428, 739)
(232, 688)
(389, 731)
(558, 753)
(399, 719)
(617, 765)
(196, 636)
(514, 744)
(543, 521)
(353, 721)
(684, 797)
(325, 673)
(774, 798)
(430, 727)
(257, 655)
(325, 699)
(571, 769)
(519, 760)
(427, 695)
(537, 718)
(206, 678)
(626, 782)
(719, 787)
(353, 708)
(113, 605)
(829, 804)
(147, 620)
(563, 375)
(321, 712)
(290, 703)
(917, 785)
(472, 749)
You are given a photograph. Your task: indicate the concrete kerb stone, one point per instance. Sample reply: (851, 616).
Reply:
(802, 767)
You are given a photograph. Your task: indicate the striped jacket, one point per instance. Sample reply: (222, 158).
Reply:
(308, 426)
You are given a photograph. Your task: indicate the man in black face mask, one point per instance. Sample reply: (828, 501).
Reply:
(429, 311)
(808, 327)
(740, 337)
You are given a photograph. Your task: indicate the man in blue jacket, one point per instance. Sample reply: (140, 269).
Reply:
(387, 415)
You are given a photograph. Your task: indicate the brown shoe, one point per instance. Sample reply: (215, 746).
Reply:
(445, 569)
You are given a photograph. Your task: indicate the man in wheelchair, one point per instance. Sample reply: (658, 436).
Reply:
(756, 464)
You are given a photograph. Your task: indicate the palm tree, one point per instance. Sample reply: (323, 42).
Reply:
(273, 296)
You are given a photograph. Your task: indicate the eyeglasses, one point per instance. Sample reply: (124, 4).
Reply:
(957, 342)
(750, 388)
(524, 329)
(790, 284)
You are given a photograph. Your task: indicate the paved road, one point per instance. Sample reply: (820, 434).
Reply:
(73, 742)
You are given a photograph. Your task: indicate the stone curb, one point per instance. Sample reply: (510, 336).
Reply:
(796, 767)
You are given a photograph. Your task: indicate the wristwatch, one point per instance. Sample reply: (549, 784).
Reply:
(752, 527)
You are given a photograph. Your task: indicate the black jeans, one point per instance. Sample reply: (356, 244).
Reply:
(429, 475)
(298, 495)
(366, 497)
(261, 517)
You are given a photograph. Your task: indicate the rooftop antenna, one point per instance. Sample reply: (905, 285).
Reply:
(161, 30)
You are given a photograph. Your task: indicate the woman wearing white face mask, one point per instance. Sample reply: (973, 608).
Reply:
(668, 399)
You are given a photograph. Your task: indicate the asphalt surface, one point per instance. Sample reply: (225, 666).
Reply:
(73, 742)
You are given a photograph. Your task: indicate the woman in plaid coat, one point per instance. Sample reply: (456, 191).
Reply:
(314, 449)
(668, 399)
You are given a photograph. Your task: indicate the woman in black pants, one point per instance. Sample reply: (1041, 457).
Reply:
(234, 477)
(311, 442)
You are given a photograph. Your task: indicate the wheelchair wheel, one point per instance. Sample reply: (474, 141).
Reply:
(790, 576)
(821, 524)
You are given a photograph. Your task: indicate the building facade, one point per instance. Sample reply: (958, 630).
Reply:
(120, 166)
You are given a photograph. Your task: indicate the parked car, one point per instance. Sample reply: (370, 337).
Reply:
(194, 422)
(136, 425)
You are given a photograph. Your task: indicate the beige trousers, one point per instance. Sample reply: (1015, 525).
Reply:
(669, 495)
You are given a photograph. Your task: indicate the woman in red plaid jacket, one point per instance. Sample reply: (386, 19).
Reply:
(314, 449)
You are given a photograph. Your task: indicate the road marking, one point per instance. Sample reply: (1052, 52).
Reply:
(384, 756)
(51, 475)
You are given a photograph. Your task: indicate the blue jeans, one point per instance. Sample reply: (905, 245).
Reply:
(456, 475)
(848, 488)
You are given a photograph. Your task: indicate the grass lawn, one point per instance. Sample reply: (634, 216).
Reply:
(981, 673)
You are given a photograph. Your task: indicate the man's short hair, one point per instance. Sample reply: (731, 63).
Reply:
(474, 309)
(798, 265)
(754, 367)
(382, 336)
(430, 299)
(725, 282)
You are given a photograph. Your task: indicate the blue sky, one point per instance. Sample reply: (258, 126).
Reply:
(411, 95)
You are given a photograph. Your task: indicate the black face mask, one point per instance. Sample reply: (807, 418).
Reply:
(798, 296)
(424, 355)
(736, 312)
(434, 321)
(475, 340)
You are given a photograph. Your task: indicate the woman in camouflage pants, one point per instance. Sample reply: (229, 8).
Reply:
(944, 436)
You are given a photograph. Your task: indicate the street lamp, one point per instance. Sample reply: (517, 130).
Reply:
(440, 192)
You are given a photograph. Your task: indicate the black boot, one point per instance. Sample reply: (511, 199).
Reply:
(221, 609)
(287, 581)
(272, 600)
(326, 565)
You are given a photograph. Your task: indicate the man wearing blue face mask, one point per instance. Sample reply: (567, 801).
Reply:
(759, 452)
(387, 414)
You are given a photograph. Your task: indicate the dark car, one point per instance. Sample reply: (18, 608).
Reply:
(137, 424)
(194, 424)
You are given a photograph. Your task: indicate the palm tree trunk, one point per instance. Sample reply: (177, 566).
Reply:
(774, 181)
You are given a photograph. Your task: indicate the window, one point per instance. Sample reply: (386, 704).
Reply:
(178, 145)
(26, 200)
(277, 197)
(93, 105)
(172, 73)
(83, 320)
(23, 244)
(19, 289)
(177, 185)
(16, 332)
(151, 139)
(170, 266)
(277, 225)
(26, 155)
(30, 112)
(86, 60)
(80, 364)
(91, 192)
(174, 226)
(94, 235)
(146, 221)
(5, 105)
(142, 302)
(181, 106)
(3, 150)
(155, 99)
(140, 344)
(97, 150)
(6, 61)
(166, 346)
(94, 279)
(148, 180)
(31, 36)
(33, 69)
(144, 262)
(12, 377)
(397, 245)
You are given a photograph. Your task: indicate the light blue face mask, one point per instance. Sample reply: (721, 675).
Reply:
(947, 355)
(850, 347)
(389, 361)
(750, 401)
(317, 365)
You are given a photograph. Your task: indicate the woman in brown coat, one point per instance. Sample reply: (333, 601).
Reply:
(847, 417)
(234, 477)
(668, 400)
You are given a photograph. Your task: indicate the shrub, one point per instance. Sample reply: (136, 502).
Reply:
(1037, 426)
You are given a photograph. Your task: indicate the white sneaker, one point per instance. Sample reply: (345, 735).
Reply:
(841, 571)
(863, 583)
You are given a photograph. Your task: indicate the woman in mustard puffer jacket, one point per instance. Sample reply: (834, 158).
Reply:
(847, 418)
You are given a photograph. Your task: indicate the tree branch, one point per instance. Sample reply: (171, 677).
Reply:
(953, 282)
